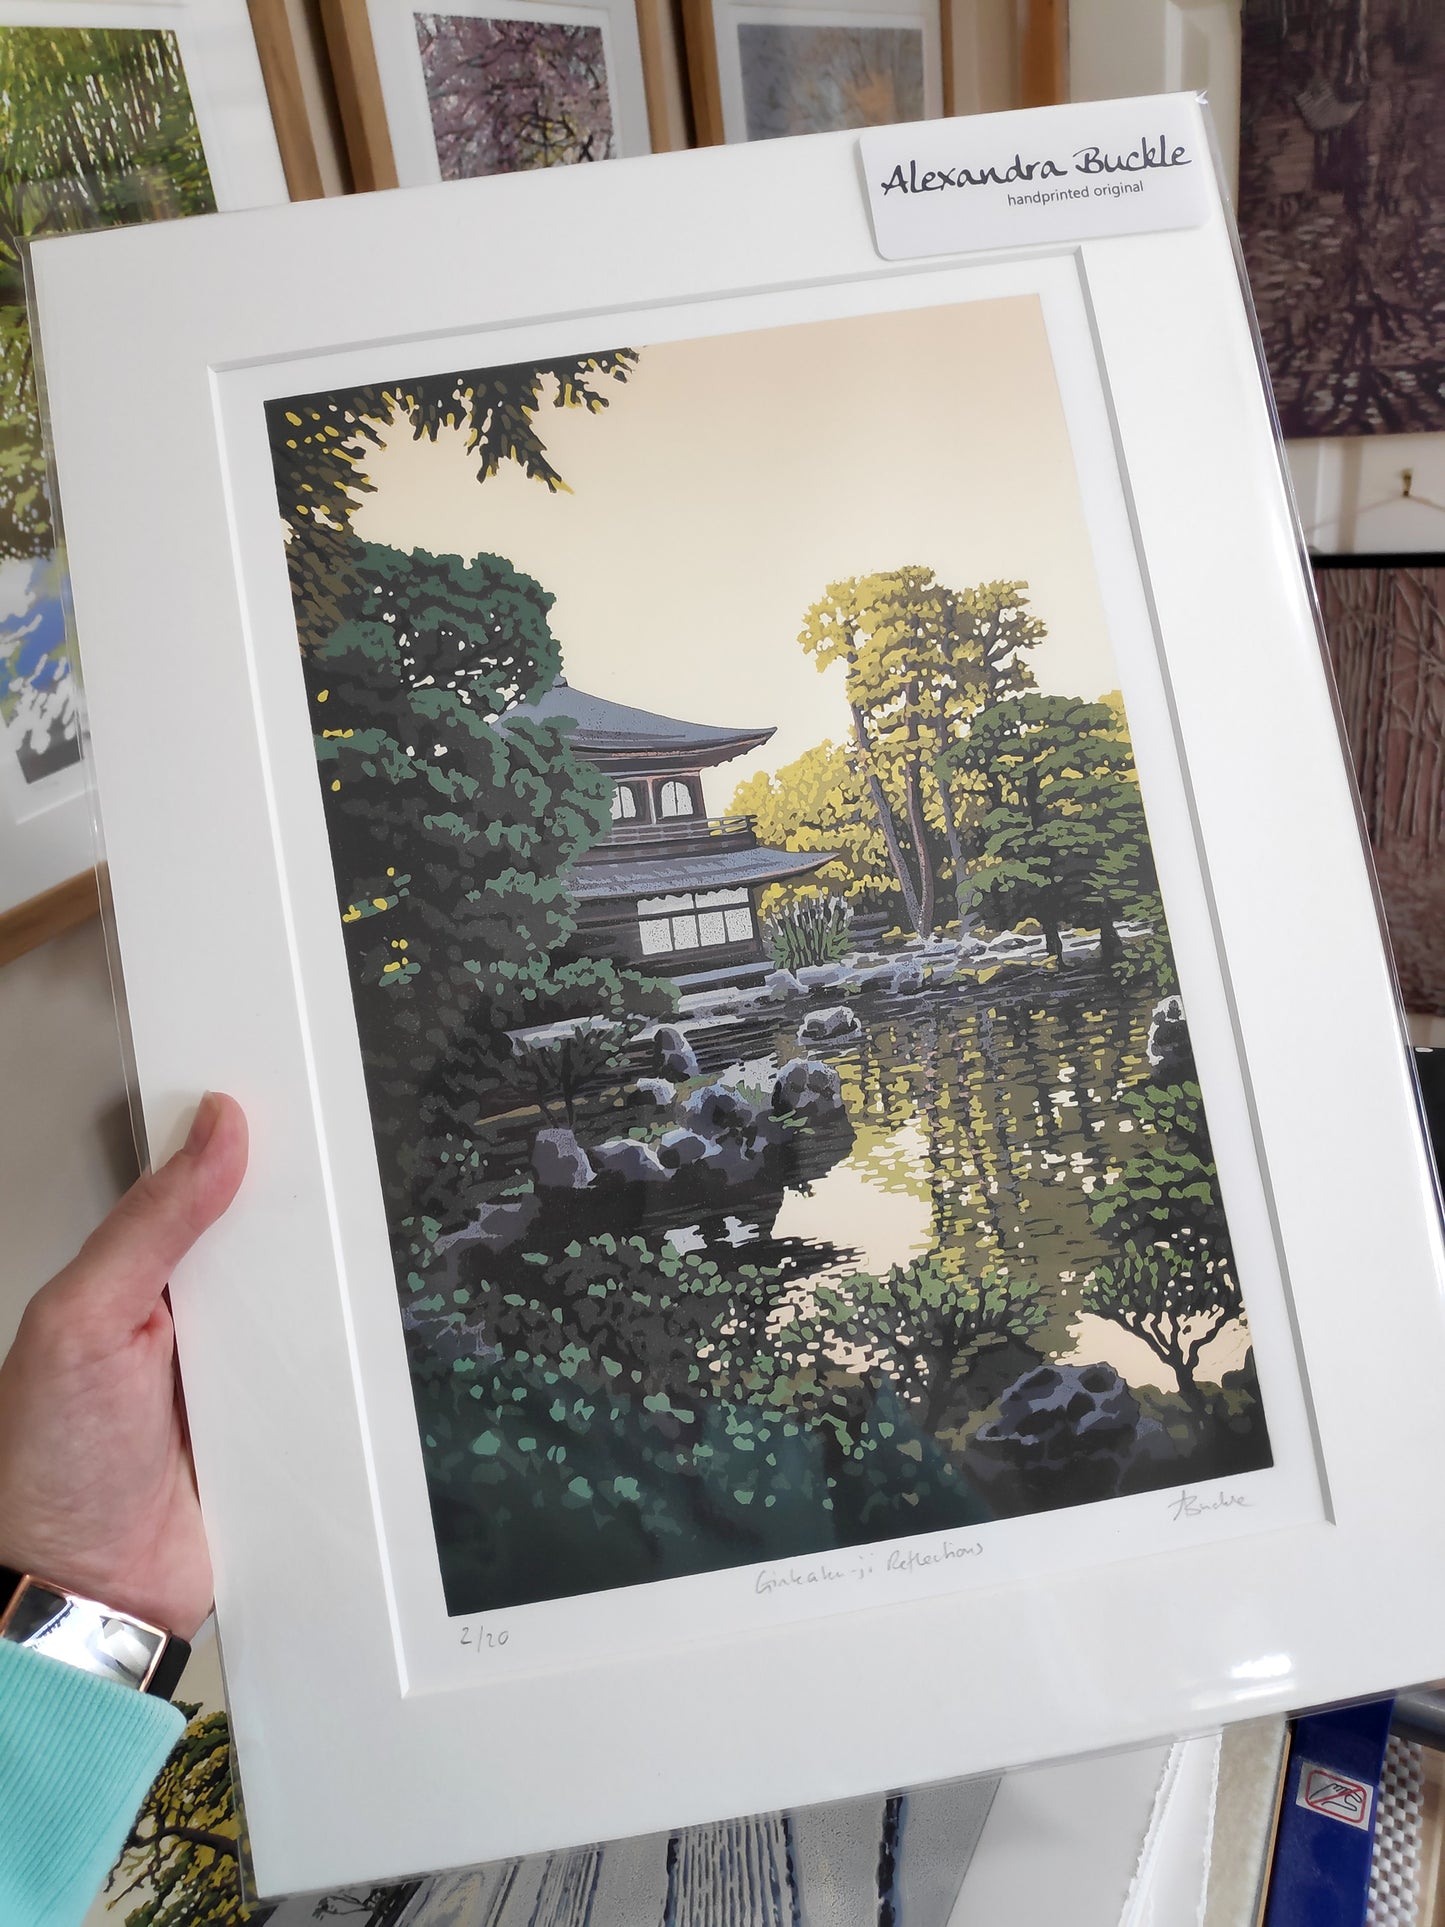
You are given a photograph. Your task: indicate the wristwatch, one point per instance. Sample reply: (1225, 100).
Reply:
(96, 1639)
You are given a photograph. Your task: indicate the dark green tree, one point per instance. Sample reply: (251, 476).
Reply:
(922, 1324)
(321, 446)
(451, 827)
(921, 659)
(1063, 836)
(1172, 1281)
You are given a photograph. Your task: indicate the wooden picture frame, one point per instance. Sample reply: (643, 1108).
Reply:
(414, 110)
(208, 137)
(286, 91)
(865, 63)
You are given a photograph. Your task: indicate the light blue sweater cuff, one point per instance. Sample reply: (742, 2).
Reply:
(77, 1756)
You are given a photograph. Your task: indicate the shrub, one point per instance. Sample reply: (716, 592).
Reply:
(809, 930)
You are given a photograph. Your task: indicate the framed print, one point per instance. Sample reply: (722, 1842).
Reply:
(740, 871)
(1340, 182)
(1384, 618)
(287, 91)
(758, 72)
(113, 113)
(485, 88)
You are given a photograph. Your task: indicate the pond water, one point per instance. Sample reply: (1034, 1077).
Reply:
(983, 1117)
(597, 1410)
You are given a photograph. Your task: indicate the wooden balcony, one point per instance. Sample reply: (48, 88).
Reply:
(675, 836)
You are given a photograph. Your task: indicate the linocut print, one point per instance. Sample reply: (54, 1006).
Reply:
(782, 1093)
(98, 131)
(505, 95)
(1342, 210)
(801, 78)
(1385, 623)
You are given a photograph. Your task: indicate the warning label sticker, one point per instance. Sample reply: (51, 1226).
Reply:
(1335, 1795)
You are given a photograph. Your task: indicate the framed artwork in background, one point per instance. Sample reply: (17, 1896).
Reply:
(113, 114)
(1341, 183)
(448, 94)
(760, 72)
(771, 1173)
(1384, 618)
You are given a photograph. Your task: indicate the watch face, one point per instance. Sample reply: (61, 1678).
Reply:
(82, 1633)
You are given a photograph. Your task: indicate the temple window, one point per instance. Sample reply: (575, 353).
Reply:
(624, 803)
(676, 799)
(694, 920)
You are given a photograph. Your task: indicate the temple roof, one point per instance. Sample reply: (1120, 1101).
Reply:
(665, 875)
(612, 734)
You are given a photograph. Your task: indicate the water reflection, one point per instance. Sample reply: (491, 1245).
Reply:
(982, 1123)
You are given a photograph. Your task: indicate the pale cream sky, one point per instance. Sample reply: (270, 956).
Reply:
(732, 479)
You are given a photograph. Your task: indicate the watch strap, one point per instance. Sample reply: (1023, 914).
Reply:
(95, 1638)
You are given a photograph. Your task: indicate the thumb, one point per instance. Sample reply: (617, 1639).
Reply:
(126, 1263)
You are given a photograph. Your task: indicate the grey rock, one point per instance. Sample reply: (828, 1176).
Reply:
(733, 1162)
(497, 1226)
(1168, 1047)
(908, 978)
(448, 1343)
(672, 1055)
(1068, 1430)
(631, 1161)
(836, 1021)
(773, 1129)
(678, 1149)
(821, 976)
(780, 985)
(721, 1003)
(559, 1162)
(807, 1087)
(875, 977)
(717, 1111)
(658, 1090)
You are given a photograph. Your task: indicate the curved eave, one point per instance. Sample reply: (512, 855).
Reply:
(620, 758)
(667, 876)
(624, 739)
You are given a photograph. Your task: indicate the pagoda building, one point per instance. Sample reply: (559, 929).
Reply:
(668, 886)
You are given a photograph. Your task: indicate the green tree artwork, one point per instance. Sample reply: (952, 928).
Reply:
(921, 661)
(98, 131)
(773, 1183)
(1063, 835)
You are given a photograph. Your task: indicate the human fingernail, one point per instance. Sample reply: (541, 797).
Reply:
(203, 1124)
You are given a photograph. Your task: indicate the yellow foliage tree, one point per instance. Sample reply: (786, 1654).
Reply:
(820, 802)
(922, 660)
(180, 1866)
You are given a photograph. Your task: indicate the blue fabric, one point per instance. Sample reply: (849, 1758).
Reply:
(77, 1756)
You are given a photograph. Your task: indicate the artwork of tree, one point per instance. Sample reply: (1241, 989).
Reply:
(630, 1186)
(506, 95)
(180, 1865)
(1342, 209)
(802, 79)
(1385, 622)
(98, 131)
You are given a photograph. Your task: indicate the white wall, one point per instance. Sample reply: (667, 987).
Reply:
(1119, 48)
(1352, 493)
